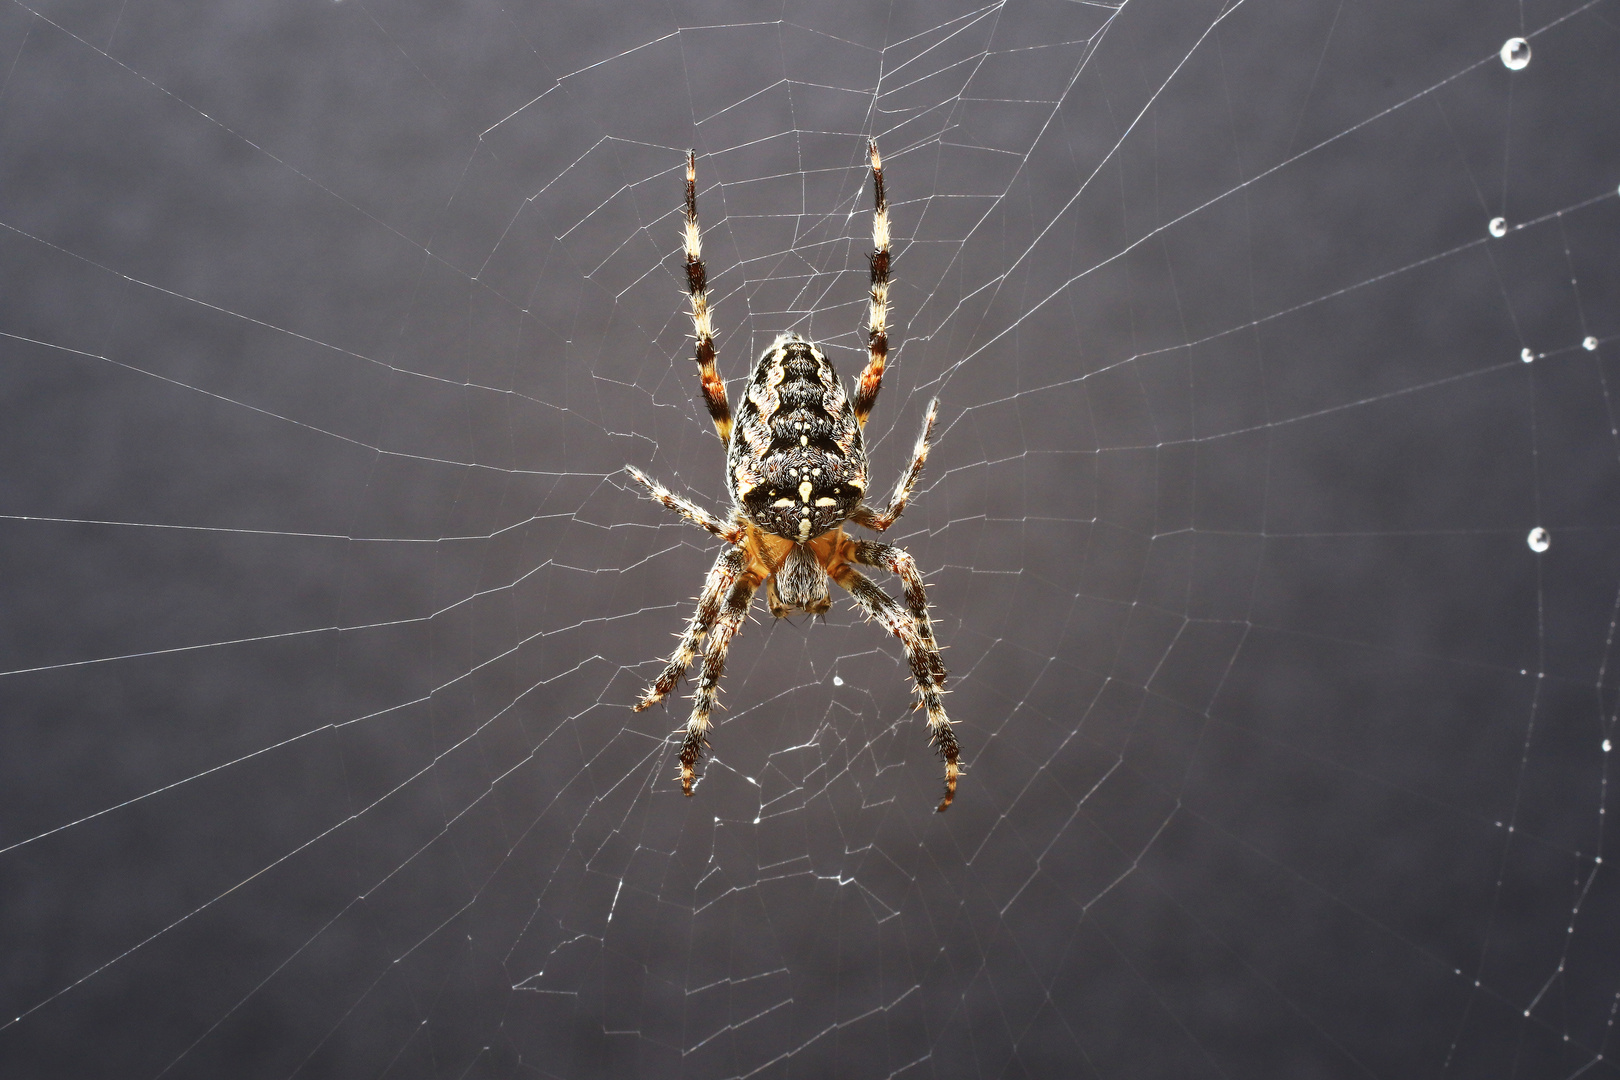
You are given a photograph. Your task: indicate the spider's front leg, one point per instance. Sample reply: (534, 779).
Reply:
(927, 670)
(738, 601)
(721, 578)
(899, 562)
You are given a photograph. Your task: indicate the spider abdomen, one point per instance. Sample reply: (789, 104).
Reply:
(796, 463)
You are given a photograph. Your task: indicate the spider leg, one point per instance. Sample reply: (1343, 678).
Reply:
(691, 511)
(924, 660)
(721, 577)
(871, 381)
(899, 562)
(697, 284)
(738, 601)
(879, 522)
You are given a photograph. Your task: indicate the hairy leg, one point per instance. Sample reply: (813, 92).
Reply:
(880, 521)
(727, 568)
(871, 380)
(899, 562)
(924, 662)
(738, 600)
(691, 511)
(697, 284)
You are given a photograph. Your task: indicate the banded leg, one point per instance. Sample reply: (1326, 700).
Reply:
(691, 511)
(924, 662)
(879, 522)
(722, 576)
(738, 601)
(871, 381)
(697, 284)
(899, 562)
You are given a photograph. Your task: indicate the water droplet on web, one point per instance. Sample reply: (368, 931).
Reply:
(1589, 343)
(1538, 540)
(1607, 746)
(1498, 226)
(837, 681)
(1516, 54)
(1527, 355)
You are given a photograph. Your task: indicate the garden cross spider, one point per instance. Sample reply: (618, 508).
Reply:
(796, 466)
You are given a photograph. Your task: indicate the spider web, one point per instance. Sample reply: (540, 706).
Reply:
(326, 334)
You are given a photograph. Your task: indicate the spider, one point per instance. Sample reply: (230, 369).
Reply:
(796, 467)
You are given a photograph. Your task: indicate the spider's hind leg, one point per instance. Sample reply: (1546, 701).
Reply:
(697, 286)
(877, 346)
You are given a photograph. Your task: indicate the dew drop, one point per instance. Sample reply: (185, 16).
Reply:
(1498, 226)
(1589, 343)
(1538, 540)
(1527, 355)
(1516, 54)
(840, 682)
(1607, 746)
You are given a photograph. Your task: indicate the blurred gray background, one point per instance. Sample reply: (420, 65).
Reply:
(327, 328)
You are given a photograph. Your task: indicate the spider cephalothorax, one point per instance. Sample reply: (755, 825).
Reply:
(796, 467)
